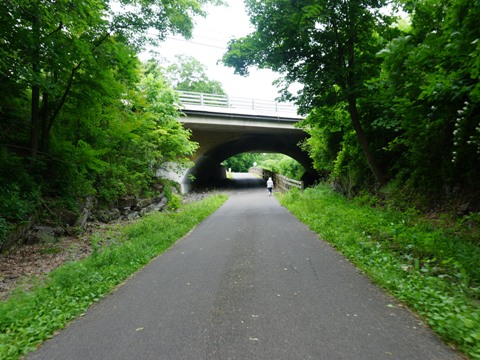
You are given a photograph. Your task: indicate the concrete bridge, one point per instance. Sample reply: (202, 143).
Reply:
(225, 126)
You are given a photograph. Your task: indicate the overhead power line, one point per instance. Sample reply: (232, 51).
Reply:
(197, 43)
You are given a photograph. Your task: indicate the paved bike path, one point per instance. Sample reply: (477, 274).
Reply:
(250, 282)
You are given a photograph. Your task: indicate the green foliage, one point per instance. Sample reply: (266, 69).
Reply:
(350, 170)
(110, 141)
(241, 162)
(138, 143)
(3, 231)
(326, 126)
(290, 168)
(189, 74)
(409, 91)
(16, 205)
(79, 116)
(432, 268)
(329, 48)
(19, 195)
(174, 200)
(29, 318)
(427, 104)
(281, 164)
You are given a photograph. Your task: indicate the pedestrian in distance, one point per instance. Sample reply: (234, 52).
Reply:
(270, 186)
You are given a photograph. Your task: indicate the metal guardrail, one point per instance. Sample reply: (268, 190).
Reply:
(223, 101)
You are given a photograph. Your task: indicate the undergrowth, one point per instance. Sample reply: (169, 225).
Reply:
(29, 318)
(429, 266)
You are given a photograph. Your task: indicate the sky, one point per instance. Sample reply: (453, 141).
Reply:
(208, 44)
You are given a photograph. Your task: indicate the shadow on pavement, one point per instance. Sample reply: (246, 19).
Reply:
(240, 181)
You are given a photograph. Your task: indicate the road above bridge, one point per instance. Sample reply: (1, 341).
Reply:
(250, 282)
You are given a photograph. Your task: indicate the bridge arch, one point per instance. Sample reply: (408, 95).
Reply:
(206, 166)
(225, 131)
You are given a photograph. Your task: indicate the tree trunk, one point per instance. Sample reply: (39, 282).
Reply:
(35, 116)
(44, 140)
(379, 174)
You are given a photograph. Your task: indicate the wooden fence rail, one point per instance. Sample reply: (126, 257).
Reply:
(285, 183)
(281, 182)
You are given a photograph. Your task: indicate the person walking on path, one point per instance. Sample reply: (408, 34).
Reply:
(270, 186)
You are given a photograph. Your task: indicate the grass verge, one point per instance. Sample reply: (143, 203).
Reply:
(434, 269)
(29, 318)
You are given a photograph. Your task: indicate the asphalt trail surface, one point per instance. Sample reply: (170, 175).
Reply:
(250, 282)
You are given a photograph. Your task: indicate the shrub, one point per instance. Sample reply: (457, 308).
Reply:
(3, 231)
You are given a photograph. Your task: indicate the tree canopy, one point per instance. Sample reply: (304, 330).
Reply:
(49, 45)
(80, 115)
(329, 47)
(189, 74)
(400, 98)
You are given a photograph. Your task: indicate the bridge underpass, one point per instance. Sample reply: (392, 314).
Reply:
(225, 127)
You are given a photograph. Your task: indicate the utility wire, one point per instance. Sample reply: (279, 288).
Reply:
(197, 43)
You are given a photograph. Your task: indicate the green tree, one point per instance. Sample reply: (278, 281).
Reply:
(290, 167)
(328, 47)
(428, 98)
(46, 45)
(280, 164)
(145, 139)
(78, 115)
(116, 131)
(171, 139)
(189, 74)
(241, 162)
